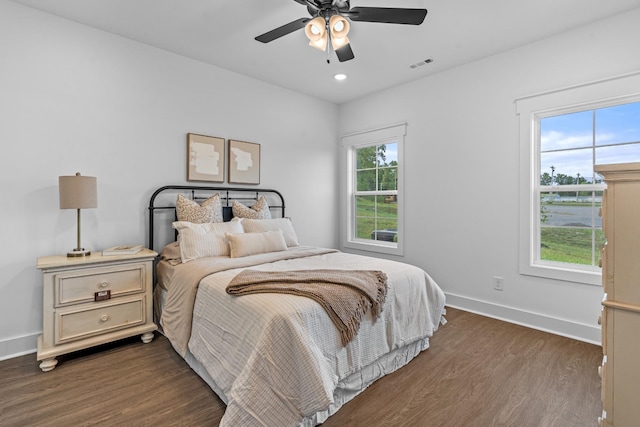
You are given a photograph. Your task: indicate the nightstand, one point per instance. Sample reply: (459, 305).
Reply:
(94, 300)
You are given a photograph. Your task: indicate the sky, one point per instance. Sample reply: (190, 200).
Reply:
(575, 133)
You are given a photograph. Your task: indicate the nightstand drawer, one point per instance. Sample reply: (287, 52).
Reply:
(78, 286)
(71, 325)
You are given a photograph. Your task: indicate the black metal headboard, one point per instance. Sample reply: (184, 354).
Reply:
(163, 201)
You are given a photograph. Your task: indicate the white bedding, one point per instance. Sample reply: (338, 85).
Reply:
(277, 360)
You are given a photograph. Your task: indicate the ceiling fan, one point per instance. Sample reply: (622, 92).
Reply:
(328, 22)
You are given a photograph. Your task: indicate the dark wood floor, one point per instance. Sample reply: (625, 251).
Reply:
(478, 372)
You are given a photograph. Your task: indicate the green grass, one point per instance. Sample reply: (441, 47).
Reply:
(387, 215)
(572, 245)
(365, 225)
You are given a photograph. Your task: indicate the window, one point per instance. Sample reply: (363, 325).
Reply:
(374, 174)
(561, 230)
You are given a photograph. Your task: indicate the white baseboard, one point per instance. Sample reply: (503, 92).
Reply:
(566, 328)
(14, 347)
(19, 346)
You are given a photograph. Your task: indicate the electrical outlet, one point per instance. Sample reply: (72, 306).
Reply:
(498, 283)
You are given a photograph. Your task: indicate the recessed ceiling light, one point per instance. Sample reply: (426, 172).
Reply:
(340, 76)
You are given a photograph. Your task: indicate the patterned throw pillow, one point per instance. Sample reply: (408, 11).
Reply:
(209, 211)
(259, 210)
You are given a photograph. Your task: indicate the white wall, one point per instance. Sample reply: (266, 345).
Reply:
(77, 99)
(74, 99)
(462, 170)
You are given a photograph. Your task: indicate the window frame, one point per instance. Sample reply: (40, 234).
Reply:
(603, 93)
(352, 142)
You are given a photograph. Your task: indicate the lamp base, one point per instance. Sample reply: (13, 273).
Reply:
(78, 252)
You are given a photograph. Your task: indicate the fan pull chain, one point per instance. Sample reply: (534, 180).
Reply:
(329, 46)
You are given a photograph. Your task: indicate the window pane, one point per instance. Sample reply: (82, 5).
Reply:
(566, 131)
(390, 156)
(387, 207)
(570, 228)
(377, 218)
(570, 208)
(366, 180)
(570, 245)
(365, 216)
(566, 167)
(366, 157)
(618, 124)
(388, 178)
(618, 154)
(387, 220)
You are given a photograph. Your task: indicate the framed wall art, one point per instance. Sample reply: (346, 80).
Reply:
(205, 158)
(244, 162)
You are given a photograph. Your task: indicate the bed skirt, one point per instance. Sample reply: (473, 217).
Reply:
(348, 388)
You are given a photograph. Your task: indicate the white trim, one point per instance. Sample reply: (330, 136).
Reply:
(18, 346)
(394, 127)
(604, 92)
(391, 133)
(579, 85)
(563, 327)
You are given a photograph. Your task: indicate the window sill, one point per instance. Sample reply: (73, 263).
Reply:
(375, 246)
(558, 272)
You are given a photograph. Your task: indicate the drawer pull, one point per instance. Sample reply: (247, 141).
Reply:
(600, 263)
(104, 284)
(104, 317)
(600, 320)
(600, 371)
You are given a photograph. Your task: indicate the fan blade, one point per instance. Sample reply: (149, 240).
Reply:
(389, 15)
(345, 53)
(282, 31)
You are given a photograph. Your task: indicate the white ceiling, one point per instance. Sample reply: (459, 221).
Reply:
(221, 33)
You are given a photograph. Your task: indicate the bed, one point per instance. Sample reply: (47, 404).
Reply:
(275, 359)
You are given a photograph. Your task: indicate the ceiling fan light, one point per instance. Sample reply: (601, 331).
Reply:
(315, 29)
(316, 32)
(337, 43)
(319, 44)
(339, 26)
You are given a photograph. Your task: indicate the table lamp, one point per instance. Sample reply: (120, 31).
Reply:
(78, 192)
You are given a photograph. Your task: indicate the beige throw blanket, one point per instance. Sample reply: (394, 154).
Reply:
(344, 294)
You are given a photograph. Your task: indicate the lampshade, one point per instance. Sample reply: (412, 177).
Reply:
(317, 33)
(339, 28)
(78, 192)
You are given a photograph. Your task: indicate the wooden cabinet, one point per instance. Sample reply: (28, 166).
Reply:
(620, 318)
(94, 300)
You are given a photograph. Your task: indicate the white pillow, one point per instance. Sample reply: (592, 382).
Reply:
(262, 225)
(204, 240)
(245, 244)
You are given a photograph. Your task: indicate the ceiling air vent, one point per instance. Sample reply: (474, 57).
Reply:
(421, 63)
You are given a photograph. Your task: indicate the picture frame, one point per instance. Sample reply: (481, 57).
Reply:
(244, 162)
(205, 158)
